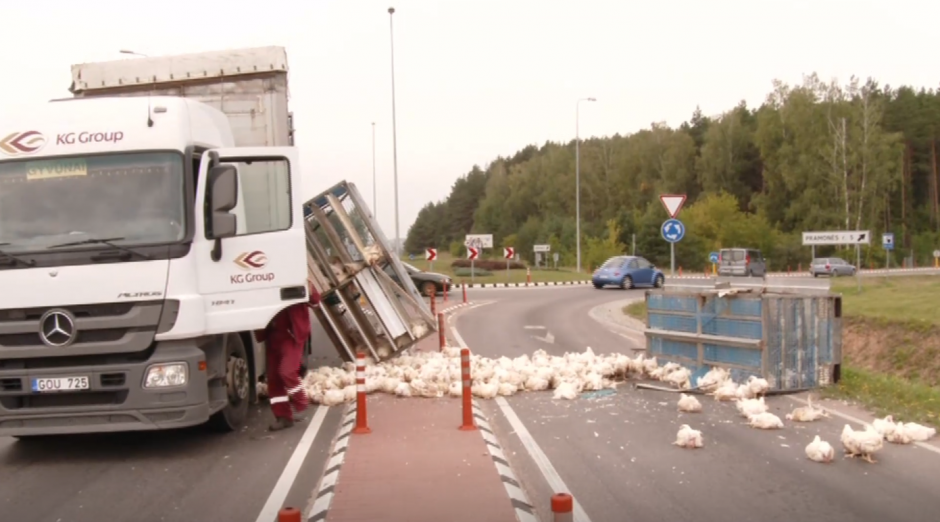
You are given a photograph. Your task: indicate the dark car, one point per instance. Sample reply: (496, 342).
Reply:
(427, 283)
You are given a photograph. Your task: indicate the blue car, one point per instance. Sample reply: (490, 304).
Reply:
(628, 272)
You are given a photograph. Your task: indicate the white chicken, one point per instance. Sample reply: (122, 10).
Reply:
(688, 403)
(757, 385)
(726, 391)
(713, 379)
(566, 390)
(679, 378)
(765, 421)
(688, 438)
(372, 254)
(749, 407)
(918, 432)
(861, 443)
(820, 451)
(883, 426)
(808, 413)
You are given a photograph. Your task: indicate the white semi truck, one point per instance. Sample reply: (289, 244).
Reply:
(152, 222)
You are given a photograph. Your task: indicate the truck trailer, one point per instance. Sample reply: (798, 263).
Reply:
(154, 220)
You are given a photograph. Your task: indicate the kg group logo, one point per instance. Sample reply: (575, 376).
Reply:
(251, 260)
(22, 143)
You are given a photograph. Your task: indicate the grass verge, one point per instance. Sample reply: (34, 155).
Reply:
(636, 310)
(442, 266)
(888, 395)
(908, 299)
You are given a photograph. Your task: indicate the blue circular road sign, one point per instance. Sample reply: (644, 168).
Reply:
(673, 230)
(713, 257)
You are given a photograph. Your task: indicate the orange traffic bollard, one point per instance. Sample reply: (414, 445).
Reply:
(562, 507)
(468, 424)
(440, 330)
(362, 426)
(288, 514)
(528, 275)
(465, 293)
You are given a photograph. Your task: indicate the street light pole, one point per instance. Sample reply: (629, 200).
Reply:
(391, 11)
(374, 188)
(577, 173)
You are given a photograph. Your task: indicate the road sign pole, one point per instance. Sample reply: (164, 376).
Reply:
(672, 259)
(472, 271)
(858, 267)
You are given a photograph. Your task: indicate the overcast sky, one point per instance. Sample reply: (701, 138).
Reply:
(478, 79)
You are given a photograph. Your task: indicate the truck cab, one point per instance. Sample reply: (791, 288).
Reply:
(127, 305)
(147, 227)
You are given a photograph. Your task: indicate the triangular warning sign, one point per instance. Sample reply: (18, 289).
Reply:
(673, 203)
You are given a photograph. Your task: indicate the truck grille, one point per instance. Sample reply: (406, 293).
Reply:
(79, 311)
(124, 327)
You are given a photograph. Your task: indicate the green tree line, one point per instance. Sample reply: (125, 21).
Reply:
(814, 156)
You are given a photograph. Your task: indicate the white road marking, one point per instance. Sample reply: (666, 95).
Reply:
(282, 487)
(549, 338)
(534, 327)
(850, 418)
(538, 456)
(535, 452)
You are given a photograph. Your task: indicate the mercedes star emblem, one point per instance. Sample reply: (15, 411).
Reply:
(57, 328)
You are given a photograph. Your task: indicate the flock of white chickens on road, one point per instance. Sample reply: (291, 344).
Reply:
(436, 374)
(750, 403)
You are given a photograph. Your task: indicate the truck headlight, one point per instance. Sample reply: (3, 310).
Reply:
(166, 375)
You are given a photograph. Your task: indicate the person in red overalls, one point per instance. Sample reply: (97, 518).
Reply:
(284, 338)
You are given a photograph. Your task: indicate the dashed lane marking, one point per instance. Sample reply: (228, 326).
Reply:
(320, 502)
(286, 480)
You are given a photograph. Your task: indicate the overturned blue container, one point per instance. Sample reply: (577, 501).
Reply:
(792, 340)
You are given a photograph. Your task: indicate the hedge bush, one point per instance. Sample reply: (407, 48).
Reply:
(487, 264)
(477, 272)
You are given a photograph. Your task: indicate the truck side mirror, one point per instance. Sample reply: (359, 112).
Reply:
(223, 196)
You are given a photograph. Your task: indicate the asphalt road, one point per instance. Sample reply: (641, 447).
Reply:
(615, 456)
(172, 476)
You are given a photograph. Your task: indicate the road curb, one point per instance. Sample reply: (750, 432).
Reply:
(326, 489)
(454, 308)
(525, 512)
(525, 285)
(773, 275)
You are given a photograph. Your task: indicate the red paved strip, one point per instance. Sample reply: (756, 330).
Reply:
(416, 466)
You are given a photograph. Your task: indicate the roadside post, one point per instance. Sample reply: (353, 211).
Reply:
(672, 229)
(508, 253)
(713, 258)
(430, 254)
(887, 241)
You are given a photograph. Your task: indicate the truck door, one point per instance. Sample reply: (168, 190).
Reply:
(250, 245)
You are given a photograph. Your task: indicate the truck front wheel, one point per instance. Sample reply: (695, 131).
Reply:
(238, 387)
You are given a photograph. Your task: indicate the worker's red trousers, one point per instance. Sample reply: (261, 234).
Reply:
(285, 388)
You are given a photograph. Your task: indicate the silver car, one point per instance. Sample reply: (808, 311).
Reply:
(831, 266)
(746, 262)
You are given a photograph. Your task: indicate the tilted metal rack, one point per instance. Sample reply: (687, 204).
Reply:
(368, 301)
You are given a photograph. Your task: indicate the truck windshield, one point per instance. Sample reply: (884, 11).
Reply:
(137, 196)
